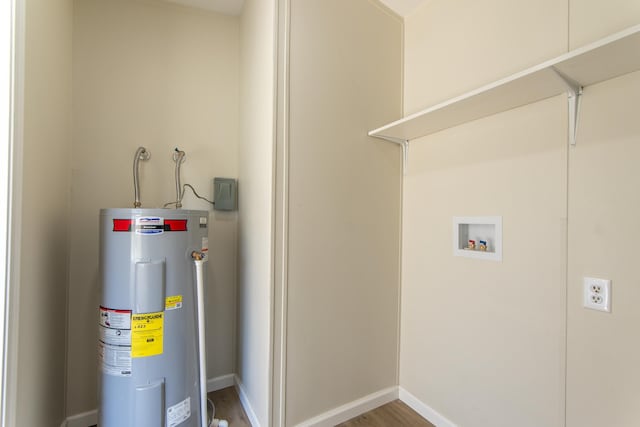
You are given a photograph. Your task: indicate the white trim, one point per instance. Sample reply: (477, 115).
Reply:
(218, 383)
(6, 130)
(352, 409)
(433, 416)
(84, 419)
(281, 217)
(246, 404)
(12, 295)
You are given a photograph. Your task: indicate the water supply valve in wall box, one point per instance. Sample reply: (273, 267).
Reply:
(224, 194)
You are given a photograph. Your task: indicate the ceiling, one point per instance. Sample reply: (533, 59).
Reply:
(226, 7)
(234, 7)
(403, 7)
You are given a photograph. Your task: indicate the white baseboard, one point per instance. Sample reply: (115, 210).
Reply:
(246, 404)
(352, 409)
(90, 418)
(84, 419)
(218, 383)
(424, 410)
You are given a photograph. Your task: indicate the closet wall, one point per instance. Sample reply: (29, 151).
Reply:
(159, 75)
(255, 207)
(604, 202)
(41, 209)
(503, 343)
(344, 192)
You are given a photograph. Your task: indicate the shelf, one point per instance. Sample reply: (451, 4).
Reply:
(605, 59)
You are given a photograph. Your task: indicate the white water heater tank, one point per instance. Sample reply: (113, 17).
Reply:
(148, 341)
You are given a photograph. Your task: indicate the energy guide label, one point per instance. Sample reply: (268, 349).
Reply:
(147, 334)
(114, 341)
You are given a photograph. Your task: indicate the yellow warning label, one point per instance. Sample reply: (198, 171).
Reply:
(146, 334)
(173, 302)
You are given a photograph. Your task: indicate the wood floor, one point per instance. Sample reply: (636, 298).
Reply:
(228, 407)
(393, 414)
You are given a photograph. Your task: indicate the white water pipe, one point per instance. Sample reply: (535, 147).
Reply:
(199, 259)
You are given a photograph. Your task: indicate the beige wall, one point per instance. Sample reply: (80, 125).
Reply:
(604, 203)
(255, 186)
(454, 47)
(41, 328)
(162, 76)
(344, 205)
(591, 20)
(602, 353)
(484, 343)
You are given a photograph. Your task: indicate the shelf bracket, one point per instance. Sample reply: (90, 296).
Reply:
(405, 150)
(405, 157)
(574, 111)
(574, 96)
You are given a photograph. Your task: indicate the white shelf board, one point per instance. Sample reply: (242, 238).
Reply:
(602, 60)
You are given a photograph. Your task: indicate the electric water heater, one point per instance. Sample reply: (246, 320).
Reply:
(148, 342)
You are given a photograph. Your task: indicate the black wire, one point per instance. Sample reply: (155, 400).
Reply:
(196, 194)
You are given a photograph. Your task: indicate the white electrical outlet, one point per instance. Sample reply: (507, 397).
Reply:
(597, 294)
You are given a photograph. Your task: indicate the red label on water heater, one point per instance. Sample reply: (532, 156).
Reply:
(149, 225)
(122, 224)
(175, 225)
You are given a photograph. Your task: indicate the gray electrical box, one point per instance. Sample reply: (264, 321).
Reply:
(224, 194)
